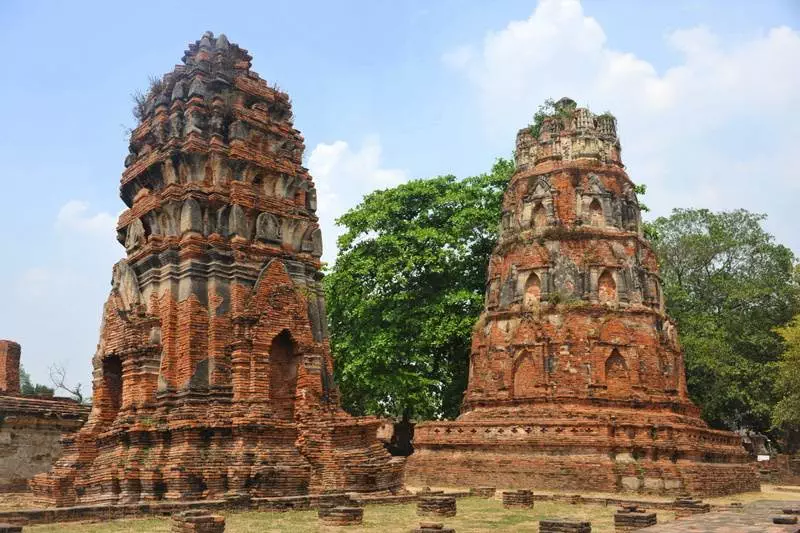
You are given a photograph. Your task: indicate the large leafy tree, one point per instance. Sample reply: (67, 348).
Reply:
(406, 290)
(728, 285)
(786, 414)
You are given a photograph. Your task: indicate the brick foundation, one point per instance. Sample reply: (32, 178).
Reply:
(518, 499)
(444, 506)
(213, 375)
(577, 377)
(197, 521)
(341, 516)
(564, 526)
(632, 518)
(432, 527)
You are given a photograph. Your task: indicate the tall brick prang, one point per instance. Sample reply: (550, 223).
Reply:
(9, 367)
(576, 377)
(213, 375)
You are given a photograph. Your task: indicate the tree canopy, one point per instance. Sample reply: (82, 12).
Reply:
(27, 388)
(728, 285)
(407, 289)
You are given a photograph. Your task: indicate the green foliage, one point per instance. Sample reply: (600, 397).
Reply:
(546, 110)
(406, 290)
(29, 389)
(728, 285)
(786, 414)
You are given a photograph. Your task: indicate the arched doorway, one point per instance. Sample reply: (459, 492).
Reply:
(111, 398)
(283, 363)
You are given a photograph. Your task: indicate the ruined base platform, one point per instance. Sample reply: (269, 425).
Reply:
(627, 451)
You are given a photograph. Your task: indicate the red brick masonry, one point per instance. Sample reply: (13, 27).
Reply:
(213, 375)
(576, 375)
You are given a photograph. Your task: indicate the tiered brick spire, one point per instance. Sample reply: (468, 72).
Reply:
(576, 375)
(213, 373)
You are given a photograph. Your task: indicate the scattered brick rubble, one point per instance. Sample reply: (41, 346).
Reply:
(32, 428)
(518, 499)
(432, 527)
(576, 377)
(632, 518)
(213, 373)
(436, 506)
(482, 492)
(197, 521)
(564, 526)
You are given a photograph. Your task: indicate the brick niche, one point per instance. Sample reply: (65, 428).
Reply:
(576, 377)
(213, 375)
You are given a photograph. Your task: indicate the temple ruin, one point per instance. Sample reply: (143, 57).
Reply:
(576, 377)
(213, 375)
(32, 428)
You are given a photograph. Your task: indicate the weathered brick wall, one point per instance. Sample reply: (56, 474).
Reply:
(31, 429)
(576, 377)
(213, 374)
(9, 367)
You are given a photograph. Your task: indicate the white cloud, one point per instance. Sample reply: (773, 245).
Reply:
(713, 130)
(343, 175)
(74, 216)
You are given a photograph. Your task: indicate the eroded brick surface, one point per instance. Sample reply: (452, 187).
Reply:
(213, 374)
(32, 428)
(576, 375)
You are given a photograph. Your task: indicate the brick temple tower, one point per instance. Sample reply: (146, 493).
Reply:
(576, 377)
(213, 374)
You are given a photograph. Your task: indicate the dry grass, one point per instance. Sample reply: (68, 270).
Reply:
(474, 515)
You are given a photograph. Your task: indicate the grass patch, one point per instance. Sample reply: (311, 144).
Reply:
(475, 515)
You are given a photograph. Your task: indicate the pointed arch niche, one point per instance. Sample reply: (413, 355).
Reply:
(533, 291)
(528, 374)
(617, 373)
(606, 287)
(537, 208)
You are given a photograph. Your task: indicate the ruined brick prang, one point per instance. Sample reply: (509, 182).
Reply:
(213, 374)
(576, 377)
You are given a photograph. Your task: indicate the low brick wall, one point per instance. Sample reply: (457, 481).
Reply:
(8, 528)
(564, 526)
(197, 521)
(482, 492)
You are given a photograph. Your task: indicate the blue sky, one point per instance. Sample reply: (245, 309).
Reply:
(707, 96)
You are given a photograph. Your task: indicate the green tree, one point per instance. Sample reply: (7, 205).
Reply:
(728, 285)
(406, 290)
(27, 388)
(786, 414)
